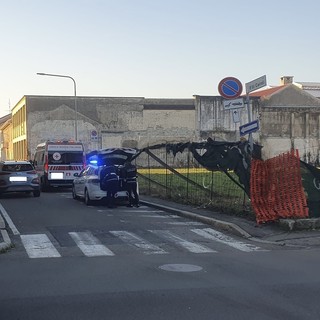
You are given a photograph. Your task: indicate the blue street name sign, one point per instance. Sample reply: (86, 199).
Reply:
(249, 127)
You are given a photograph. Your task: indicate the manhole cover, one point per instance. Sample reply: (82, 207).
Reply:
(180, 267)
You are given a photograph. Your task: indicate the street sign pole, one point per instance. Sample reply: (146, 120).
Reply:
(249, 120)
(252, 86)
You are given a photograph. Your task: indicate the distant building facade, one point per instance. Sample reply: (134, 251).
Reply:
(101, 122)
(289, 117)
(6, 137)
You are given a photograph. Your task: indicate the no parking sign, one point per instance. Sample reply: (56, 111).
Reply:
(94, 135)
(230, 88)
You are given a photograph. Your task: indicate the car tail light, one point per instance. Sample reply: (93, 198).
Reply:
(46, 165)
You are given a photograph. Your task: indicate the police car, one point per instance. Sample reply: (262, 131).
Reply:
(87, 184)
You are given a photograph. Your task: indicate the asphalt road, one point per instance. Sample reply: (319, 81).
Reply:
(71, 261)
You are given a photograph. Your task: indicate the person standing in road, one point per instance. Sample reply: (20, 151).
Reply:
(130, 177)
(109, 182)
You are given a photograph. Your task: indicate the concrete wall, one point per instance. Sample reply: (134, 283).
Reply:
(213, 121)
(291, 127)
(129, 122)
(290, 118)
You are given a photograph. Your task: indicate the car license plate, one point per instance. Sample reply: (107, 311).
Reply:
(57, 175)
(18, 179)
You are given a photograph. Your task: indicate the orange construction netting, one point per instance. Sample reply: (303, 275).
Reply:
(276, 189)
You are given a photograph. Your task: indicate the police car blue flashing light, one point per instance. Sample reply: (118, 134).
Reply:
(93, 160)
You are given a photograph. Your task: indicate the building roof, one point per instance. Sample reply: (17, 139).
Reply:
(5, 118)
(309, 85)
(289, 95)
(266, 92)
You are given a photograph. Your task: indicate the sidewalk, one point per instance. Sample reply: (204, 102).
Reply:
(5, 241)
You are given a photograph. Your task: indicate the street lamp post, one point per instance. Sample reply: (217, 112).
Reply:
(75, 99)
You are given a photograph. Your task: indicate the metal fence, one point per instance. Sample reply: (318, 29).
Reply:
(179, 177)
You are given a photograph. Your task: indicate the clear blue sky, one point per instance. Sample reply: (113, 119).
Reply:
(151, 48)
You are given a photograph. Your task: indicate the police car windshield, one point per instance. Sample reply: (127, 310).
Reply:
(55, 157)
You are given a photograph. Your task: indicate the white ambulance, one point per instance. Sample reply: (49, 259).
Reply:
(56, 162)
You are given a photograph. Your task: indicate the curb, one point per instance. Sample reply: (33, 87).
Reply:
(300, 224)
(6, 243)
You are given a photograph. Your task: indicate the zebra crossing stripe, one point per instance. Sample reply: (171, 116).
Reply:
(138, 242)
(39, 246)
(90, 245)
(212, 234)
(190, 246)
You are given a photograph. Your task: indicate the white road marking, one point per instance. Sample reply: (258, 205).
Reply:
(9, 221)
(187, 223)
(153, 216)
(90, 245)
(212, 234)
(157, 216)
(39, 246)
(138, 210)
(190, 246)
(138, 242)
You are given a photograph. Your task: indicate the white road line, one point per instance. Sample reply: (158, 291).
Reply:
(158, 216)
(212, 234)
(190, 246)
(9, 221)
(188, 223)
(90, 245)
(138, 242)
(39, 246)
(139, 211)
(153, 216)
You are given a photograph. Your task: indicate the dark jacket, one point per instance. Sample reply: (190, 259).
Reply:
(109, 180)
(130, 172)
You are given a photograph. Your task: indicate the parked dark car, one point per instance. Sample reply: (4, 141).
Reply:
(18, 176)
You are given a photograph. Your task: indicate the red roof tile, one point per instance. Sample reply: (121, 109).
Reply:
(265, 92)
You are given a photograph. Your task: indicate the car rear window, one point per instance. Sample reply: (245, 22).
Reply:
(17, 167)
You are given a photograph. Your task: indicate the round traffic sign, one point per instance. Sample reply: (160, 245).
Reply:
(230, 88)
